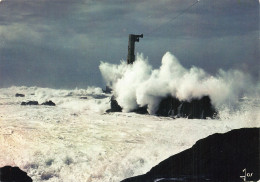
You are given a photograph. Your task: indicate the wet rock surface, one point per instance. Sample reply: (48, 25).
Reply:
(84, 97)
(141, 110)
(49, 103)
(172, 107)
(194, 109)
(19, 95)
(13, 174)
(115, 107)
(30, 103)
(219, 157)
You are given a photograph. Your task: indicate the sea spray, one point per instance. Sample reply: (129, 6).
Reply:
(103, 147)
(139, 84)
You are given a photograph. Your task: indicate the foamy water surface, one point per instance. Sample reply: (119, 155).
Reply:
(77, 141)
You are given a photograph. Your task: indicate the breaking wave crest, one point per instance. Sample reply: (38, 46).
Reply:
(139, 84)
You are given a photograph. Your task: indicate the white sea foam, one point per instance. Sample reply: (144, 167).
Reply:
(73, 141)
(139, 84)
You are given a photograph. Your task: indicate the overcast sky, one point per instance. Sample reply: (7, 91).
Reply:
(60, 43)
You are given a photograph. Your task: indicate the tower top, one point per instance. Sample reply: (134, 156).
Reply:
(131, 47)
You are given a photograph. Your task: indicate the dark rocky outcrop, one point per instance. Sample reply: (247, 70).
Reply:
(19, 95)
(170, 106)
(115, 107)
(13, 174)
(30, 103)
(217, 158)
(196, 108)
(140, 110)
(84, 97)
(49, 103)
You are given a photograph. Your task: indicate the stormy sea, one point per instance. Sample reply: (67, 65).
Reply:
(66, 135)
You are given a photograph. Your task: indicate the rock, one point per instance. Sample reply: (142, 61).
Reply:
(196, 108)
(171, 106)
(217, 158)
(49, 103)
(30, 103)
(168, 107)
(84, 97)
(115, 107)
(140, 110)
(19, 95)
(13, 174)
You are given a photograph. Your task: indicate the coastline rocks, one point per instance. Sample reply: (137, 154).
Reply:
(19, 95)
(115, 107)
(83, 97)
(172, 107)
(13, 174)
(194, 109)
(29, 103)
(141, 110)
(217, 158)
(49, 103)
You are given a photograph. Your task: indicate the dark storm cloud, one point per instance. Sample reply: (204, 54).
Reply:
(34, 11)
(209, 19)
(60, 43)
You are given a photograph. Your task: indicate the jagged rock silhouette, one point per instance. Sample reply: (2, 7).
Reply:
(13, 174)
(217, 158)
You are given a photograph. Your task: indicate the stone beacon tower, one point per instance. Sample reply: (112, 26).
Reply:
(131, 47)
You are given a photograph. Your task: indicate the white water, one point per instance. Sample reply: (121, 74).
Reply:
(139, 84)
(76, 141)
